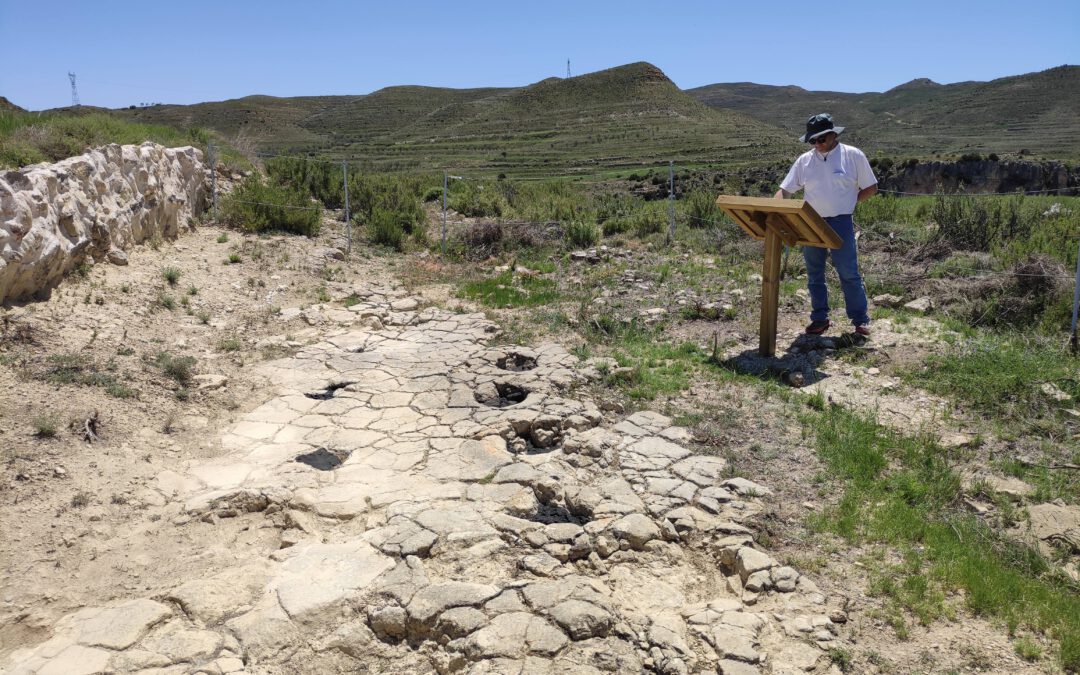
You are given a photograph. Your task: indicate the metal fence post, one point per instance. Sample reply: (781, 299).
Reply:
(671, 201)
(1076, 306)
(213, 175)
(348, 220)
(444, 181)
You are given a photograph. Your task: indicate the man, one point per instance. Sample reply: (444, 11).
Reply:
(835, 177)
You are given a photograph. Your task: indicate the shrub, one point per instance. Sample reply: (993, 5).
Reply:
(178, 368)
(385, 228)
(320, 180)
(581, 234)
(171, 275)
(477, 200)
(44, 426)
(646, 223)
(230, 344)
(701, 209)
(256, 206)
(482, 239)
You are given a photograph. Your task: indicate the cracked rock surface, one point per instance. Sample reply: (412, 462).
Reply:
(448, 506)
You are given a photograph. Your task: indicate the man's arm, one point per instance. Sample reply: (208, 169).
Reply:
(866, 193)
(782, 194)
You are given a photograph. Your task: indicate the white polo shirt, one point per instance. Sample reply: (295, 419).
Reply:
(831, 180)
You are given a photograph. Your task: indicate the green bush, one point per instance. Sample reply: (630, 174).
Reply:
(385, 228)
(701, 209)
(581, 234)
(880, 209)
(477, 200)
(256, 206)
(179, 368)
(321, 180)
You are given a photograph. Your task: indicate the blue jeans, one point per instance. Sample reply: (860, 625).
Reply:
(846, 262)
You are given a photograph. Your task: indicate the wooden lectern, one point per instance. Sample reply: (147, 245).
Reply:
(777, 221)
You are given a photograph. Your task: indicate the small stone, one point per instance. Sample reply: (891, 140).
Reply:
(117, 257)
(746, 487)
(748, 561)
(540, 564)
(582, 620)
(1052, 390)
(635, 529)
(955, 440)
(730, 667)
(887, 300)
(210, 381)
(606, 545)
(758, 581)
(922, 305)
(460, 621)
(388, 622)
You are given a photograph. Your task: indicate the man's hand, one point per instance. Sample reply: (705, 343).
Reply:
(782, 194)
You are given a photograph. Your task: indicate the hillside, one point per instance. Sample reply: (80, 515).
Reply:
(628, 116)
(8, 106)
(1034, 112)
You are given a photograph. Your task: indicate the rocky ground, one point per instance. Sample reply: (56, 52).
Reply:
(352, 475)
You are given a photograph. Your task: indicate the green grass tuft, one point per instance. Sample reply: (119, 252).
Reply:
(510, 290)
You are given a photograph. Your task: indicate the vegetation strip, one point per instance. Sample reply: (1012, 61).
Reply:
(902, 492)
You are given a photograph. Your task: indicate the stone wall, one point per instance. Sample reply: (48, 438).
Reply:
(91, 208)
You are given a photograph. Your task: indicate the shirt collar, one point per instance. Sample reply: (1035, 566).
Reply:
(824, 156)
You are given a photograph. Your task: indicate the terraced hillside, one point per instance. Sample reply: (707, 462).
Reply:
(1034, 112)
(628, 116)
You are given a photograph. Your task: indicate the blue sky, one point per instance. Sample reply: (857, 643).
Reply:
(126, 52)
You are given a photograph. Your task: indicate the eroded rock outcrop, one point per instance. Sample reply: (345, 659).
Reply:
(446, 506)
(54, 217)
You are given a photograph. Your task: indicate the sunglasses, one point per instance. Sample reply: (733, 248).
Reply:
(820, 139)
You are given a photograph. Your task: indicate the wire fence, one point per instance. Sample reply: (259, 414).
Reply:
(674, 219)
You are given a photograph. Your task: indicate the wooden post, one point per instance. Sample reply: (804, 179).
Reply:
(777, 222)
(770, 292)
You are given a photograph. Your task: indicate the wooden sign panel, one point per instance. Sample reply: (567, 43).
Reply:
(778, 222)
(795, 221)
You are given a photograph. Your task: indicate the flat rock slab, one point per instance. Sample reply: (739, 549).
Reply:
(431, 601)
(114, 626)
(223, 595)
(316, 576)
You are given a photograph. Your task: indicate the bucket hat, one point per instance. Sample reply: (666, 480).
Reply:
(818, 125)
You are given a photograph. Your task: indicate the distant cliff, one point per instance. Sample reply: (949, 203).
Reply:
(975, 175)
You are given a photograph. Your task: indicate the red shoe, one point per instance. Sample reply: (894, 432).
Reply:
(863, 329)
(818, 327)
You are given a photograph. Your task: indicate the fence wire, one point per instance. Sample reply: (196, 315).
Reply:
(687, 220)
